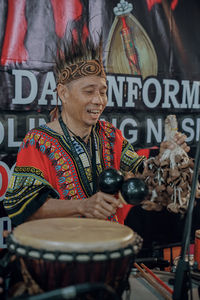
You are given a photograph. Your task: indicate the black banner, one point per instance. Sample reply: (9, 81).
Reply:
(151, 56)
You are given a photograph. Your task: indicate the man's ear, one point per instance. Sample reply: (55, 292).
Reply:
(63, 92)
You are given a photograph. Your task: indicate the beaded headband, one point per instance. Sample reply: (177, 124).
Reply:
(81, 69)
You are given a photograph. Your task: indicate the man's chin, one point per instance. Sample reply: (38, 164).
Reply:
(93, 122)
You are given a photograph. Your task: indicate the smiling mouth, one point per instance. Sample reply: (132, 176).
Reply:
(94, 111)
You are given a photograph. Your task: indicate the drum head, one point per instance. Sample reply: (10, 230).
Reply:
(74, 235)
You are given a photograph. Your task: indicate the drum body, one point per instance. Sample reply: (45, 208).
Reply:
(63, 252)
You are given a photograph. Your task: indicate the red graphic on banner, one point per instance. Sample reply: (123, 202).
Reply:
(151, 3)
(3, 180)
(65, 11)
(173, 4)
(85, 33)
(13, 46)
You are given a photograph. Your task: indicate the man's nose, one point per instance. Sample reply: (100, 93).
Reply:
(97, 98)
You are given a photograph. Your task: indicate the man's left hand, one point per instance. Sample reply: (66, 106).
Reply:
(179, 139)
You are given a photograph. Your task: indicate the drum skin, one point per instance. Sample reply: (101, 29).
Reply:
(59, 252)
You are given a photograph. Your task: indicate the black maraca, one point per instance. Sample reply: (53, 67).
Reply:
(110, 181)
(132, 190)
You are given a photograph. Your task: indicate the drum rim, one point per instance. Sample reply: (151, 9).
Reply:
(113, 236)
(49, 255)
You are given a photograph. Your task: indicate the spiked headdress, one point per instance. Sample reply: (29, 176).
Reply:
(75, 59)
(78, 59)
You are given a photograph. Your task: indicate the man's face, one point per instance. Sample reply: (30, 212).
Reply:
(86, 100)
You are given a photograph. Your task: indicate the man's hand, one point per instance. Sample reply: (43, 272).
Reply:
(197, 195)
(100, 206)
(179, 139)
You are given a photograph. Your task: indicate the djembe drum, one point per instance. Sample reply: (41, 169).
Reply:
(61, 252)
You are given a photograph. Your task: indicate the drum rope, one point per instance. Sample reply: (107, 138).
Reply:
(32, 287)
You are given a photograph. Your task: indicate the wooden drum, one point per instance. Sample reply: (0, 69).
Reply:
(66, 251)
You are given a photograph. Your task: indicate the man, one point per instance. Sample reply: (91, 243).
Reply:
(62, 159)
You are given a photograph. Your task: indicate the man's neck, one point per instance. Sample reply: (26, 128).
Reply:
(80, 131)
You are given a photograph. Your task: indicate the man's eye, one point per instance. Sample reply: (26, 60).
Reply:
(89, 92)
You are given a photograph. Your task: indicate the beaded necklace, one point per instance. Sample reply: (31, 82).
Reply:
(78, 160)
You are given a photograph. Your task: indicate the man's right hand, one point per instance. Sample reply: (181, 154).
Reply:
(99, 206)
